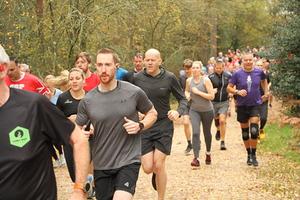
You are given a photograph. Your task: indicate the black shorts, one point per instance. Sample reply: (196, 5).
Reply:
(158, 137)
(245, 112)
(109, 181)
(264, 110)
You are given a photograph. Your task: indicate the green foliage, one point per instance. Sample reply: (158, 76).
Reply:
(47, 34)
(284, 141)
(286, 50)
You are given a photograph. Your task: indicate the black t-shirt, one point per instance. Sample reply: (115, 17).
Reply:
(159, 89)
(29, 125)
(67, 104)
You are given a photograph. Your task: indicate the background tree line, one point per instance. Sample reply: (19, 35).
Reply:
(47, 34)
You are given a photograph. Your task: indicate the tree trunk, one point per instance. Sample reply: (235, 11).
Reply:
(39, 14)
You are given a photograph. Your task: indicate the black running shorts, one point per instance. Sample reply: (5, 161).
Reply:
(109, 181)
(158, 137)
(245, 112)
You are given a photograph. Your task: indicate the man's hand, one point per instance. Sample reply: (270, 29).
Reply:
(78, 195)
(89, 132)
(130, 126)
(72, 117)
(173, 115)
(242, 93)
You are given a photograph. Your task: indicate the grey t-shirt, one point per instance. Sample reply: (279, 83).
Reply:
(199, 103)
(112, 147)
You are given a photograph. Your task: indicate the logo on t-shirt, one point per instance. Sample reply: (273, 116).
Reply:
(19, 136)
(68, 101)
(17, 86)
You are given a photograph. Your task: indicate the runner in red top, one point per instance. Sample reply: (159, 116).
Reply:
(17, 79)
(82, 61)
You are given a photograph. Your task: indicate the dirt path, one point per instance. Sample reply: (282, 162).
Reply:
(228, 177)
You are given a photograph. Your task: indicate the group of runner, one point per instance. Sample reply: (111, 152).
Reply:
(131, 120)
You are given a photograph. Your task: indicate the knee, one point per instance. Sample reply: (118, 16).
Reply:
(245, 134)
(158, 167)
(254, 131)
(186, 122)
(147, 167)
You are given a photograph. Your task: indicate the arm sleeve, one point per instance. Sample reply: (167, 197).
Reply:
(40, 87)
(143, 102)
(182, 80)
(82, 116)
(55, 126)
(59, 103)
(233, 79)
(177, 91)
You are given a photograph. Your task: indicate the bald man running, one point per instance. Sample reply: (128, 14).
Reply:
(158, 84)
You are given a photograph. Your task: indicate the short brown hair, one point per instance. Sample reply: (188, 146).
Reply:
(139, 55)
(116, 58)
(85, 55)
(187, 63)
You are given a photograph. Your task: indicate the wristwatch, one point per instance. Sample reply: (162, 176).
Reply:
(141, 125)
(236, 92)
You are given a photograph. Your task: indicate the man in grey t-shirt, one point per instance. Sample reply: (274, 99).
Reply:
(113, 109)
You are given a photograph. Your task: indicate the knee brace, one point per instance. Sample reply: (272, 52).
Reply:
(245, 134)
(254, 131)
(217, 123)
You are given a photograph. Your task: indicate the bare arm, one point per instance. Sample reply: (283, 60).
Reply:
(265, 87)
(81, 154)
(231, 89)
(187, 89)
(210, 95)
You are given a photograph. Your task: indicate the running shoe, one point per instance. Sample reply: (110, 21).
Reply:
(56, 163)
(262, 134)
(254, 161)
(222, 146)
(154, 181)
(208, 159)
(249, 160)
(218, 136)
(62, 160)
(195, 163)
(188, 149)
